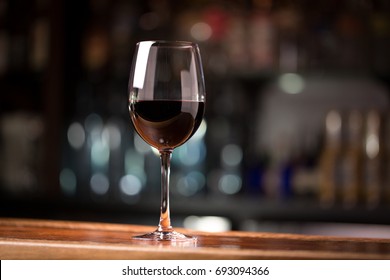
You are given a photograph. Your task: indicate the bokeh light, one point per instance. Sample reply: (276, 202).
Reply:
(291, 83)
(201, 31)
(208, 223)
(76, 135)
(99, 183)
(130, 185)
(68, 181)
(230, 184)
(231, 155)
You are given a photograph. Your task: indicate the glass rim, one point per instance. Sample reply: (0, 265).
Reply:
(168, 43)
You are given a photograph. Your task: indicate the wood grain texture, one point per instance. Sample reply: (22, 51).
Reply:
(44, 239)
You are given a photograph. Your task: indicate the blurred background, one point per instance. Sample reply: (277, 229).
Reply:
(296, 136)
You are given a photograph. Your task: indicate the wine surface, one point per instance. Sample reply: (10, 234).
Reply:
(166, 124)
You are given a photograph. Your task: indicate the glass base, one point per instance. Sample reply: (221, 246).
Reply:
(172, 236)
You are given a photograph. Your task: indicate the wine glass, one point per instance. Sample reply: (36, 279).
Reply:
(166, 104)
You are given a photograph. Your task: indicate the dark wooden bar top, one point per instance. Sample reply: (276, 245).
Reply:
(45, 239)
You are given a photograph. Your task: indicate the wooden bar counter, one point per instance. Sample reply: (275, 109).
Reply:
(46, 239)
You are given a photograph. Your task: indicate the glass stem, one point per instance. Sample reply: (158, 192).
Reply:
(165, 219)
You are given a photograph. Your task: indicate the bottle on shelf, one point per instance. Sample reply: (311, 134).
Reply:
(373, 159)
(330, 159)
(352, 160)
(386, 168)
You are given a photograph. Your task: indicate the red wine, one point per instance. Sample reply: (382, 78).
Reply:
(166, 124)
